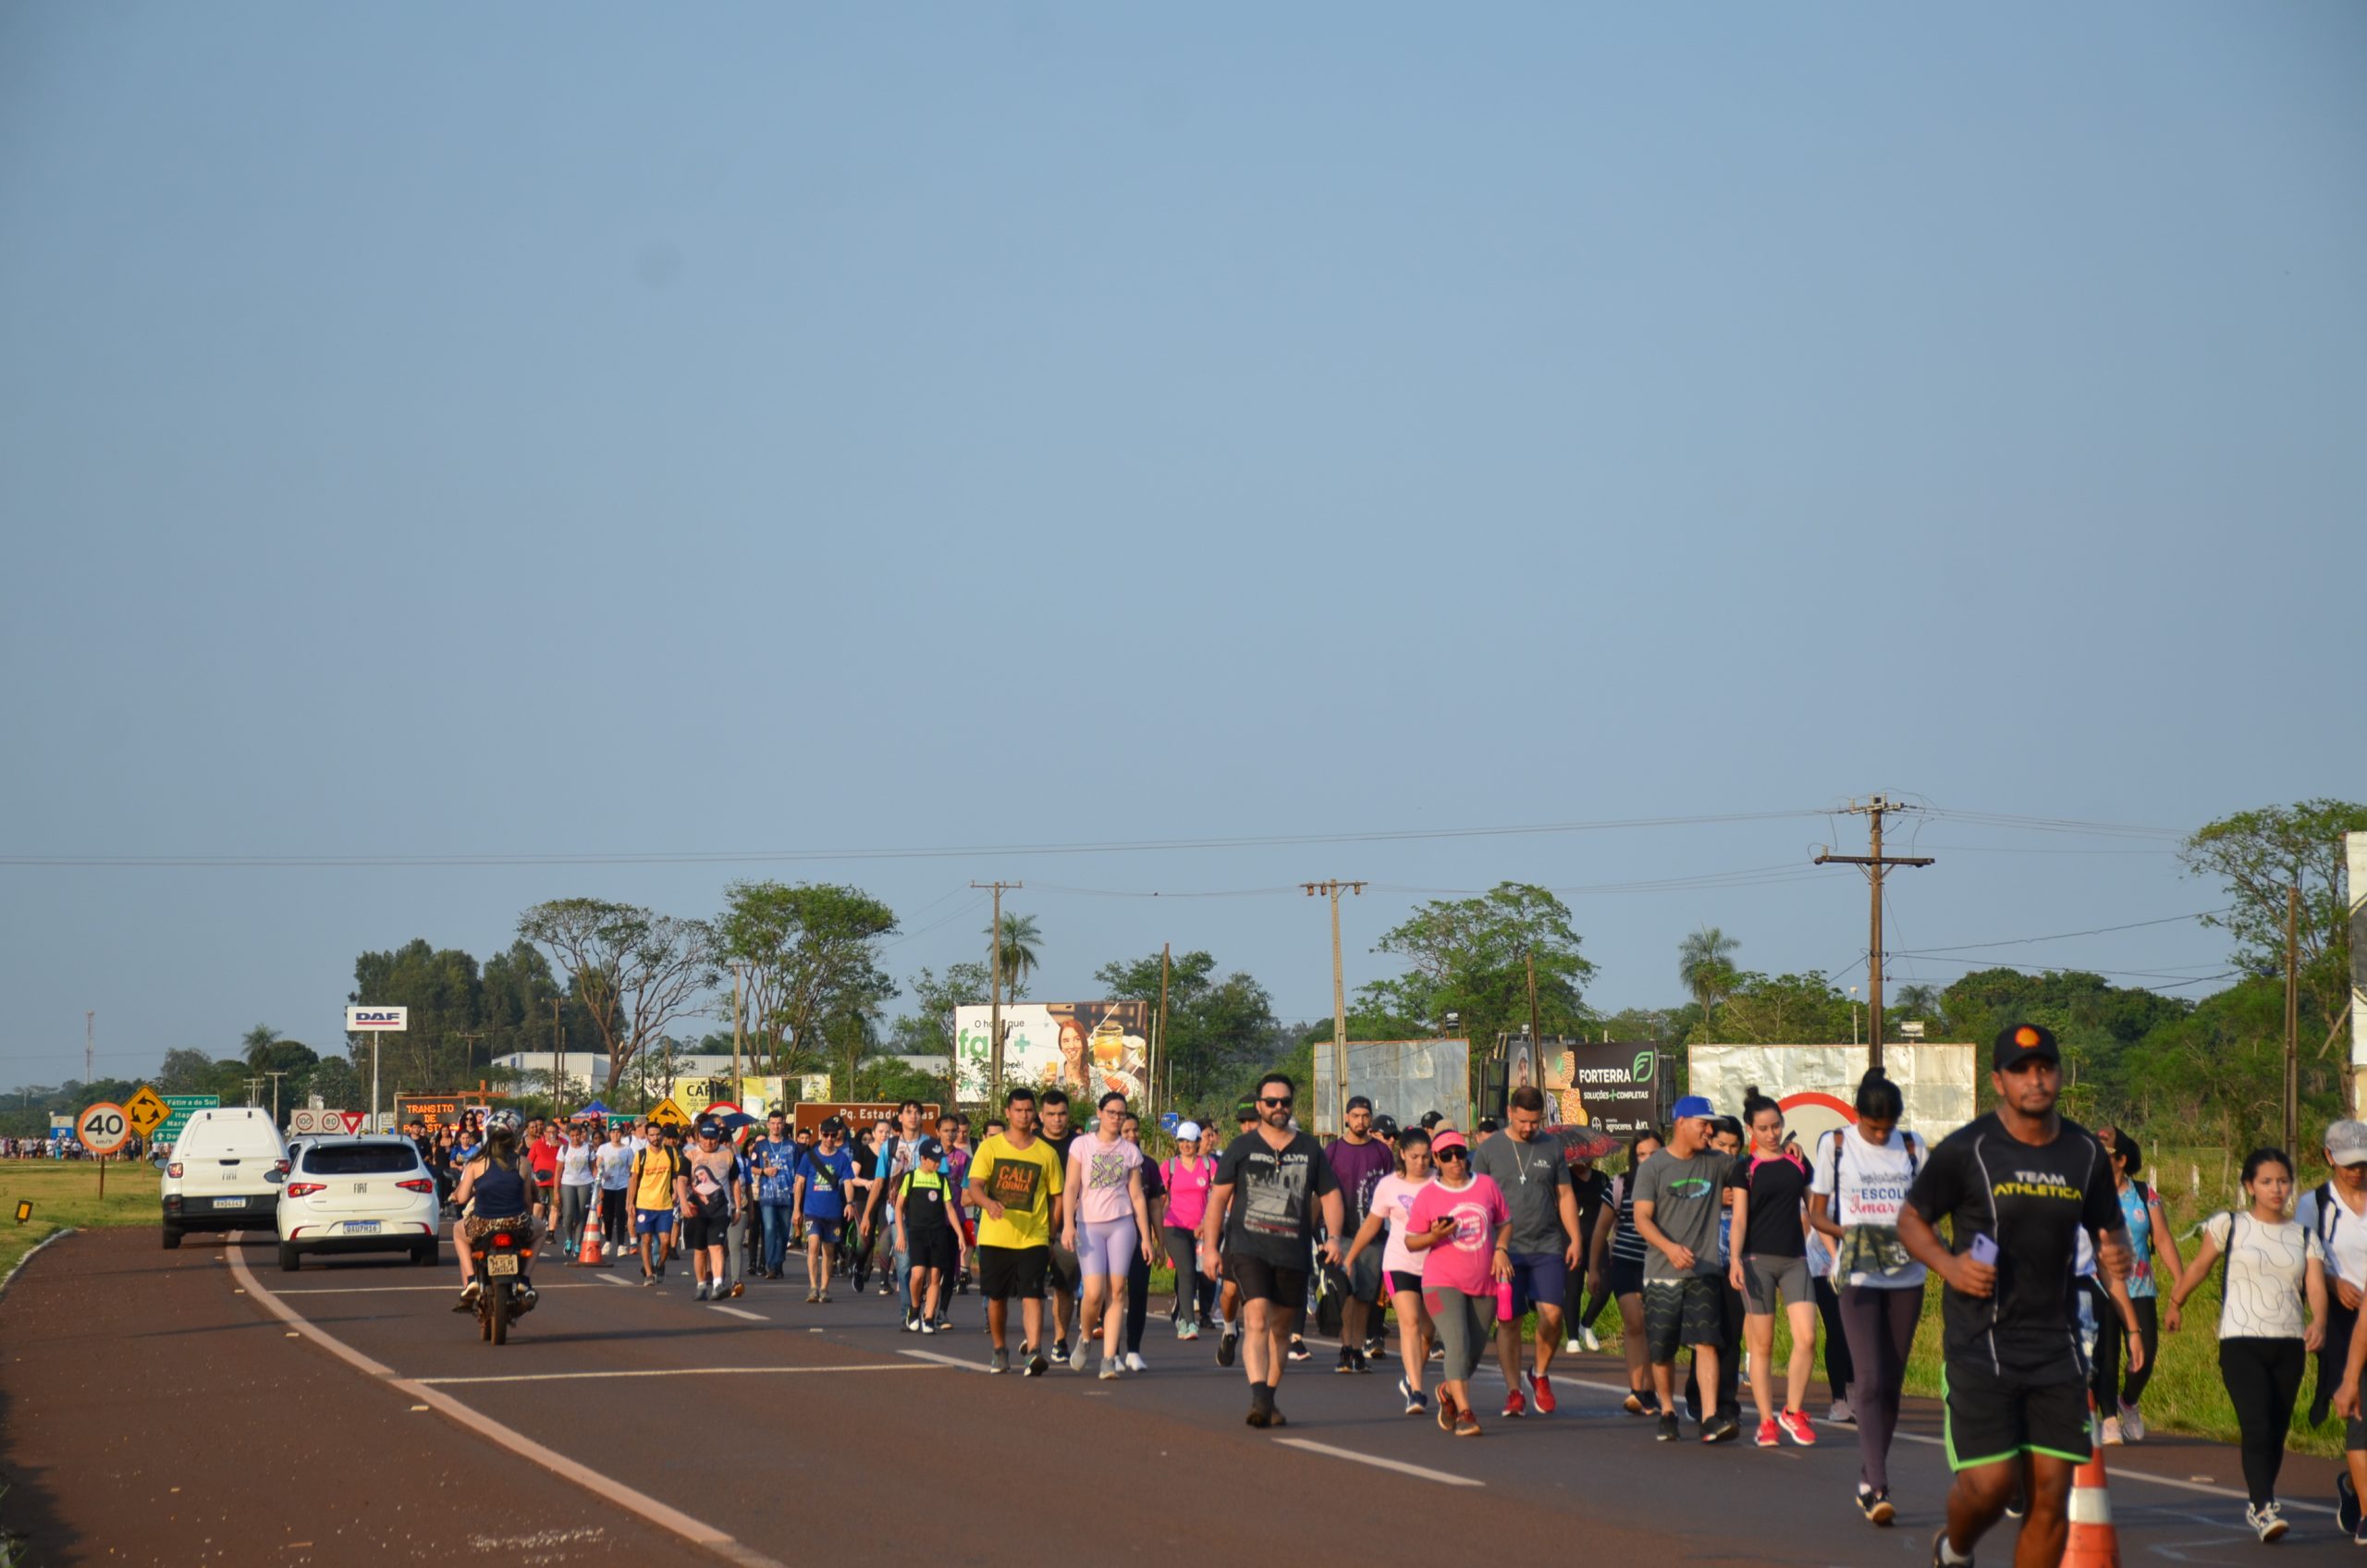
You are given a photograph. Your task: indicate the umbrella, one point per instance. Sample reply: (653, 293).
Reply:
(1585, 1143)
(594, 1110)
(734, 1121)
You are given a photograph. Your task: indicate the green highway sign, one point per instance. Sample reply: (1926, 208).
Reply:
(182, 1107)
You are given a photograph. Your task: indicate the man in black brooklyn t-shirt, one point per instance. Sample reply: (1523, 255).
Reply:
(1272, 1187)
(2016, 1188)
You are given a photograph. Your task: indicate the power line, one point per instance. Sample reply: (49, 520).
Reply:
(2063, 935)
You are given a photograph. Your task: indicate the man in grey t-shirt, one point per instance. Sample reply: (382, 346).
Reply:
(1535, 1178)
(1678, 1196)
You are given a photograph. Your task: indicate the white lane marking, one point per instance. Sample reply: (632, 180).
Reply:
(942, 1360)
(1311, 1446)
(666, 1372)
(743, 1312)
(376, 1290)
(600, 1487)
(612, 1278)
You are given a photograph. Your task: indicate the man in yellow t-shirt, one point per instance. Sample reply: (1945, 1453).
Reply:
(654, 1167)
(1015, 1182)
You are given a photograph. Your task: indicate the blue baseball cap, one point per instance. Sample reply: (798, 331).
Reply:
(1689, 1107)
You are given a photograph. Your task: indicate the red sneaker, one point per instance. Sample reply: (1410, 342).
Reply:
(1770, 1435)
(1541, 1390)
(1796, 1426)
(1515, 1404)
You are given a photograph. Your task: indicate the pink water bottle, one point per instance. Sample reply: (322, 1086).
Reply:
(1503, 1301)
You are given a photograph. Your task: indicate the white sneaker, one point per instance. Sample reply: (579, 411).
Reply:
(1077, 1355)
(1134, 1362)
(2267, 1521)
(2132, 1424)
(1571, 1347)
(1593, 1342)
(2112, 1431)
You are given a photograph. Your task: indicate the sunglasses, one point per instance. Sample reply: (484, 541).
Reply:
(1451, 1154)
(1284, 1104)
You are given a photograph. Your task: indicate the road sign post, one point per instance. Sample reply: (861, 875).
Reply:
(103, 1128)
(374, 1021)
(147, 1109)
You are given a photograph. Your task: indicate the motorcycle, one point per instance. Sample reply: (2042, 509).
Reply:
(500, 1257)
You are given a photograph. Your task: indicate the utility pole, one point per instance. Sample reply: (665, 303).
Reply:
(1536, 1035)
(275, 1078)
(735, 1033)
(1339, 1003)
(558, 1032)
(89, 1046)
(1150, 1069)
(254, 1088)
(2293, 1016)
(993, 988)
(469, 1039)
(1875, 864)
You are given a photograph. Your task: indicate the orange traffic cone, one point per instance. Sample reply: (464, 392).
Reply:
(588, 1255)
(2093, 1543)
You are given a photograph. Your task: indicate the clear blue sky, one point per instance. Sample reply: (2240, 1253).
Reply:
(435, 429)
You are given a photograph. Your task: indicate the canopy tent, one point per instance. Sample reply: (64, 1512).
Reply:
(596, 1111)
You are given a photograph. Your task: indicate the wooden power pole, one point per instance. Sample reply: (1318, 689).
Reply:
(558, 1032)
(994, 993)
(1875, 864)
(1151, 1068)
(1339, 1002)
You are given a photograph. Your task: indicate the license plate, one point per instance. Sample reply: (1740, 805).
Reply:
(502, 1262)
(229, 1202)
(361, 1226)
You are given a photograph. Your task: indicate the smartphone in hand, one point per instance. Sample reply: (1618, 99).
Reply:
(1984, 1250)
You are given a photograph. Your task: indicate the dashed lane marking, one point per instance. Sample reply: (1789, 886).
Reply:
(1422, 1472)
(743, 1312)
(666, 1372)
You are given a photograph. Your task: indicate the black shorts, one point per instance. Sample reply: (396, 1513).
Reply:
(1626, 1277)
(1363, 1280)
(1261, 1280)
(1691, 1311)
(1066, 1273)
(1994, 1417)
(1005, 1272)
(702, 1230)
(1400, 1282)
(933, 1249)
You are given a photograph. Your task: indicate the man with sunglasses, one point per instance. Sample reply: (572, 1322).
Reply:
(1286, 1189)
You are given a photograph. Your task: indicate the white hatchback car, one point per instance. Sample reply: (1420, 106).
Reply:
(358, 1194)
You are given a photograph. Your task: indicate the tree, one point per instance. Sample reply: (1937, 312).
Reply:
(927, 1030)
(1215, 1028)
(1705, 964)
(444, 992)
(1777, 1009)
(1020, 941)
(803, 951)
(636, 970)
(185, 1072)
(2257, 855)
(254, 1048)
(1917, 1001)
(1470, 956)
(339, 1086)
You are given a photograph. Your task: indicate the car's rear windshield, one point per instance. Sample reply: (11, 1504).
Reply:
(361, 1159)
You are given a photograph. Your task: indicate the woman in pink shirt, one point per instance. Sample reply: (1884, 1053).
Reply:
(1188, 1177)
(1461, 1227)
(1392, 1205)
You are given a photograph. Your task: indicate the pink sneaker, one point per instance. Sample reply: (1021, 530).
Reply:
(1796, 1426)
(1766, 1435)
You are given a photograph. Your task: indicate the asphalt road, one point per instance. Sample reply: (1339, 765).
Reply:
(620, 1417)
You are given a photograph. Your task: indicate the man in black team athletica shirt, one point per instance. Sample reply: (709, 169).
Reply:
(2016, 1187)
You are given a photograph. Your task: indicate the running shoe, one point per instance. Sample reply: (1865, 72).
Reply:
(1466, 1425)
(1363, 1362)
(649, 1278)
(469, 1293)
(812, 1297)
(2111, 1434)
(1438, 1351)
(1060, 1350)
(2132, 1424)
(1133, 1361)
(1667, 1431)
(1796, 1426)
(1109, 1369)
(912, 1323)
(2266, 1521)
(1594, 1340)
(1077, 1355)
(2015, 1506)
(1770, 1434)
(825, 1295)
(1940, 1558)
(886, 1289)
(1375, 1344)
(999, 1361)
(1446, 1413)
(739, 1289)
(1036, 1362)
(1875, 1505)
(1225, 1343)
(1261, 1405)
(1415, 1403)
(1571, 1347)
(1840, 1414)
(700, 1294)
(1299, 1351)
(1187, 1330)
(928, 1328)
(1634, 1406)
(1540, 1391)
(1720, 1427)
(1515, 1406)
(1347, 1361)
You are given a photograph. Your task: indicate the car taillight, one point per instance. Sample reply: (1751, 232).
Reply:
(501, 1239)
(173, 1170)
(280, 1166)
(305, 1189)
(421, 1185)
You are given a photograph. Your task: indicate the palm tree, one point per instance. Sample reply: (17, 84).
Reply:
(1705, 964)
(1917, 1001)
(1020, 941)
(255, 1045)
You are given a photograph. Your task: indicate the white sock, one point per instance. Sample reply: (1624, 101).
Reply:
(1948, 1553)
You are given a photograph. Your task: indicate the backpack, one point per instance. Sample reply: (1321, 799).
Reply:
(1839, 1136)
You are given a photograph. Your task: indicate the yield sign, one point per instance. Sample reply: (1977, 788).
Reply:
(352, 1120)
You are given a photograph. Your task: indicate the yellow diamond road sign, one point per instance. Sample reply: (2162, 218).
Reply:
(668, 1114)
(146, 1110)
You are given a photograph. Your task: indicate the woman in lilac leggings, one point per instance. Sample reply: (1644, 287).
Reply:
(1106, 1223)
(1856, 1187)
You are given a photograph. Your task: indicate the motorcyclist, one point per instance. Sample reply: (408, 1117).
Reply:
(496, 1190)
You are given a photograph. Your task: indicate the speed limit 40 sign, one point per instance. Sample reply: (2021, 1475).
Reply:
(103, 1128)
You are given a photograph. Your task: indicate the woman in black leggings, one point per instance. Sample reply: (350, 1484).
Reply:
(2275, 1267)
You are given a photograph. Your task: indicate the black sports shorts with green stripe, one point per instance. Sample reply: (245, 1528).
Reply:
(1995, 1415)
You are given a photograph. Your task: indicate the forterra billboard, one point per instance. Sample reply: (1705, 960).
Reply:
(1087, 1048)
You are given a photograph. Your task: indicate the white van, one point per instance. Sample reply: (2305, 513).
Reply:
(223, 1173)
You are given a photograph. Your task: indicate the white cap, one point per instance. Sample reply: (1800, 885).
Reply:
(1186, 1130)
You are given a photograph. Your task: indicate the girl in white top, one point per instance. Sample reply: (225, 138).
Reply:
(2274, 1266)
(1392, 1200)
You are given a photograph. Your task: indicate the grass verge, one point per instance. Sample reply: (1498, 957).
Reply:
(67, 1194)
